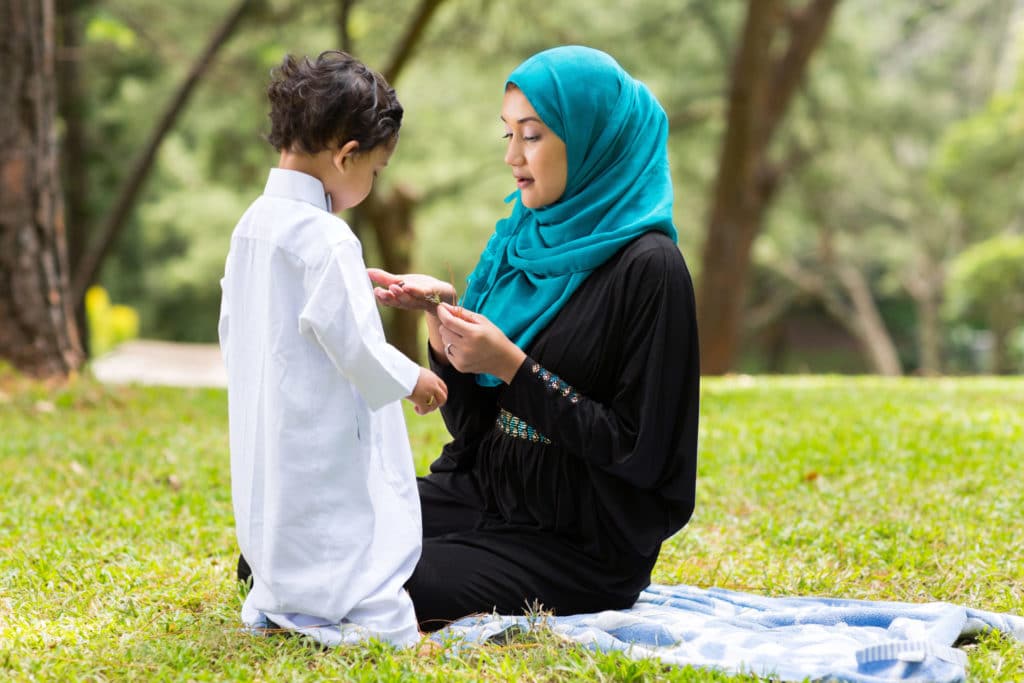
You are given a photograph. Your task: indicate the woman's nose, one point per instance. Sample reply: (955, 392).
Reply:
(514, 154)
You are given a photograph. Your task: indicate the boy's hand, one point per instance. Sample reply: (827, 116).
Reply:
(412, 292)
(429, 394)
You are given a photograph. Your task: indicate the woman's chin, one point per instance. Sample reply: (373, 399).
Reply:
(529, 200)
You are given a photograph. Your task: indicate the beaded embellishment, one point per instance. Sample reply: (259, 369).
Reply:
(518, 429)
(554, 383)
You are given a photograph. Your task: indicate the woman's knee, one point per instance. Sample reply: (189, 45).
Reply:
(449, 504)
(453, 580)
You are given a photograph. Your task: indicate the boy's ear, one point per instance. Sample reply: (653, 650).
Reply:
(342, 156)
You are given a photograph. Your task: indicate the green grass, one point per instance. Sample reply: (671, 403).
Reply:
(117, 549)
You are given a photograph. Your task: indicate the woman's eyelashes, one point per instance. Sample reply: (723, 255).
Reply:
(528, 138)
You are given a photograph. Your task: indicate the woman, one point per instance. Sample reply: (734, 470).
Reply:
(572, 364)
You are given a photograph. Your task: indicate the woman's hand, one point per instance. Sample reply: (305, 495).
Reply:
(412, 292)
(473, 343)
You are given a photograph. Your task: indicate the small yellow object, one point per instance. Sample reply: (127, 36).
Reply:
(430, 401)
(109, 324)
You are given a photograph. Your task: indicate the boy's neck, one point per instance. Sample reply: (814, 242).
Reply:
(310, 164)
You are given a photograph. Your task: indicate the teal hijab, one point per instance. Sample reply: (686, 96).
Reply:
(617, 188)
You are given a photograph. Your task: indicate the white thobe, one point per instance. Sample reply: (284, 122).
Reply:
(322, 481)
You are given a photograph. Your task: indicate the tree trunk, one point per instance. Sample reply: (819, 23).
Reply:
(73, 146)
(735, 210)
(925, 286)
(70, 105)
(344, 10)
(856, 312)
(410, 39)
(37, 331)
(1001, 362)
(761, 89)
(391, 217)
(1003, 319)
(392, 220)
(929, 344)
(867, 324)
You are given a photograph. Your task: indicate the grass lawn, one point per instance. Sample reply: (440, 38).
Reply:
(117, 549)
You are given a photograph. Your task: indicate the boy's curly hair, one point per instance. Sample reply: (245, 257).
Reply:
(317, 105)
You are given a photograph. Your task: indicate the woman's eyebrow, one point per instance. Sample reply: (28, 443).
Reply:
(524, 119)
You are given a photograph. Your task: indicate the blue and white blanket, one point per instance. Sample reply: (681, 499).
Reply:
(785, 638)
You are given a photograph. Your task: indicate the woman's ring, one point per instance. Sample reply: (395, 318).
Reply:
(430, 401)
(448, 349)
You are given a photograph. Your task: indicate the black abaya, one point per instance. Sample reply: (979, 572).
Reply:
(558, 489)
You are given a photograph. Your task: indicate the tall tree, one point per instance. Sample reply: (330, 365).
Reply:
(390, 215)
(37, 330)
(875, 216)
(763, 83)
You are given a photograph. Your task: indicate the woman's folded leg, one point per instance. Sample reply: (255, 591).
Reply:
(485, 571)
(449, 502)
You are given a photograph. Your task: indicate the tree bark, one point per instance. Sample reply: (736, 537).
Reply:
(73, 146)
(391, 217)
(392, 220)
(71, 108)
(1003, 320)
(929, 339)
(1001, 364)
(37, 331)
(925, 288)
(762, 87)
(856, 312)
(92, 260)
(344, 9)
(867, 324)
(410, 39)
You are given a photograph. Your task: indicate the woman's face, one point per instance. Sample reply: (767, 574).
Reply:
(536, 155)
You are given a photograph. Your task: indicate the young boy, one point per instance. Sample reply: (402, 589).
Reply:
(322, 482)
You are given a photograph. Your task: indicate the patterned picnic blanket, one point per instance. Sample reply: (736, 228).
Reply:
(787, 638)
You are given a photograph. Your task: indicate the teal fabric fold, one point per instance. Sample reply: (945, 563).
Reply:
(618, 188)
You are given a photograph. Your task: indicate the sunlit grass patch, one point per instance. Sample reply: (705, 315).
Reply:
(117, 548)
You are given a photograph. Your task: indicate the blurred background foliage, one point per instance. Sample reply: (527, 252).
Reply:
(906, 146)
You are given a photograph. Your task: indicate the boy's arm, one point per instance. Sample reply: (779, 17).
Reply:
(341, 314)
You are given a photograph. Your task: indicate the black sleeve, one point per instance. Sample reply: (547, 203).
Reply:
(646, 432)
(469, 414)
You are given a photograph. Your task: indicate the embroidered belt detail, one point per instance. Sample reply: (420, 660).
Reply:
(518, 429)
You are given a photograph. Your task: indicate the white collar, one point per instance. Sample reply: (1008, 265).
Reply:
(297, 185)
